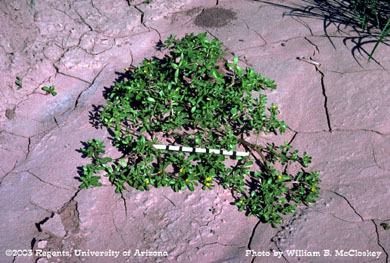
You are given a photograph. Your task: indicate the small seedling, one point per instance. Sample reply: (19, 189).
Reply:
(187, 90)
(385, 226)
(50, 90)
(18, 82)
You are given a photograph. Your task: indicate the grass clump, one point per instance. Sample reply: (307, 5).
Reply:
(373, 12)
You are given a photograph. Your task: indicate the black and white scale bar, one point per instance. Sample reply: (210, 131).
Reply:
(198, 150)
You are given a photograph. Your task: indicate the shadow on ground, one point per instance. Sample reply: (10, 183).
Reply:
(341, 15)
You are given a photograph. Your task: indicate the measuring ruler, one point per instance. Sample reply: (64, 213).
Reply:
(198, 150)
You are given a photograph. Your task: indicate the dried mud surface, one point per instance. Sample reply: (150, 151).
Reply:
(335, 103)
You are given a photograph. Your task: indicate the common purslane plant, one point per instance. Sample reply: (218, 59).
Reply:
(198, 99)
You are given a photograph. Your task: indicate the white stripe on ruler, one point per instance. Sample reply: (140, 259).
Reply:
(198, 150)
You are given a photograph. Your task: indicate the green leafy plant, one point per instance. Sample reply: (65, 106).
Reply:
(194, 96)
(94, 150)
(18, 82)
(49, 90)
(385, 226)
(368, 11)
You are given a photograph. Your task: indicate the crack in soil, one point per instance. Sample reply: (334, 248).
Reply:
(378, 241)
(340, 130)
(70, 221)
(262, 38)
(293, 138)
(265, 44)
(353, 208)
(43, 221)
(43, 181)
(280, 236)
(37, 206)
(70, 76)
(365, 130)
(221, 244)
(13, 168)
(124, 204)
(253, 234)
(43, 132)
(65, 50)
(259, 35)
(143, 22)
(358, 71)
(91, 84)
(97, 9)
(70, 210)
(117, 230)
(97, 53)
(375, 160)
(83, 20)
(311, 43)
(251, 238)
(55, 120)
(333, 215)
(325, 98)
(209, 221)
(142, 16)
(298, 19)
(170, 201)
(28, 148)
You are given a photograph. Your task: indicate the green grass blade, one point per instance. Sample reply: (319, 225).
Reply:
(384, 34)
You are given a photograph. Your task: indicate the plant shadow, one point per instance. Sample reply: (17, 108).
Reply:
(341, 14)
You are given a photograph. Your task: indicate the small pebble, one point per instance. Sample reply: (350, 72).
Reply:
(42, 244)
(42, 260)
(10, 114)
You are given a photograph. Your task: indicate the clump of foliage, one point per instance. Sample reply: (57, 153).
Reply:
(218, 104)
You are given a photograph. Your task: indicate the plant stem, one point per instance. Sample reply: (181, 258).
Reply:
(255, 148)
